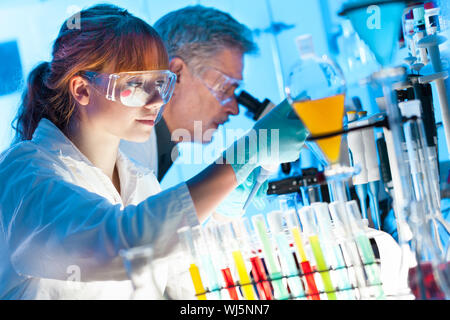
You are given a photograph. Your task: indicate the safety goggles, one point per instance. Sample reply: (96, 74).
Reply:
(221, 86)
(135, 89)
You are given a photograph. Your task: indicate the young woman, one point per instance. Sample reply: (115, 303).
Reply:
(69, 200)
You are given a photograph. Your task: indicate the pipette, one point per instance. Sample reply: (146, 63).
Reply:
(310, 228)
(187, 241)
(280, 291)
(275, 219)
(332, 249)
(294, 227)
(264, 174)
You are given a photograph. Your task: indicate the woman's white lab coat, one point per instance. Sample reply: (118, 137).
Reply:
(61, 217)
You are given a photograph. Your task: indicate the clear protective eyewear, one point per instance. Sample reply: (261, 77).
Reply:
(221, 86)
(135, 89)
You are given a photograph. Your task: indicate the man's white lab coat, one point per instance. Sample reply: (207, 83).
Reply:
(60, 214)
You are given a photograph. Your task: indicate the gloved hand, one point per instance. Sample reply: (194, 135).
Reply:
(231, 207)
(276, 138)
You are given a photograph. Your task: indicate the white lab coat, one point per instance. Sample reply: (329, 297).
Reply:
(60, 215)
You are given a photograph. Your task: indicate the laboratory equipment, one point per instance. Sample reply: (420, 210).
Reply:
(310, 229)
(333, 250)
(140, 267)
(305, 265)
(275, 219)
(280, 290)
(236, 248)
(408, 211)
(255, 109)
(258, 272)
(187, 241)
(217, 243)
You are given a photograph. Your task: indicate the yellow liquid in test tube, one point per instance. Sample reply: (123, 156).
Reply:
(197, 281)
(298, 241)
(244, 278)
(324, 116)
(322, 266)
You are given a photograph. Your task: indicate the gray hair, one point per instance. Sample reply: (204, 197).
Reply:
(197, 33)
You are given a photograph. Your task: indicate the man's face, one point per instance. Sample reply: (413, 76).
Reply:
(196, 101)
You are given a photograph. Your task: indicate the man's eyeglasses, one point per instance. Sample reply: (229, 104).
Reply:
(221, 86)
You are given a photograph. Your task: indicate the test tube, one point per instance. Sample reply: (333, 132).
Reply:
(280, 290)
(294, 227)
(231, 237)
(223, 261)
(310, 228)
(250, 247)
(332, 249)
(275, 219)
(187, 241)
(207, 263)
(367, 255)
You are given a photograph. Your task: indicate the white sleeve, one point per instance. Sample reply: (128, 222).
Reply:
(52, 225)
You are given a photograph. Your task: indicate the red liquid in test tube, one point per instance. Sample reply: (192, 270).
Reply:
(262, 284)
(229, 283)
(312, 288)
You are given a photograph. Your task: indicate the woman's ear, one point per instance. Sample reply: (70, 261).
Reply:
(177, 66)
(79, 88)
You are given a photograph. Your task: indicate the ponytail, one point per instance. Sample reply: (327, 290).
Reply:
(34, 103)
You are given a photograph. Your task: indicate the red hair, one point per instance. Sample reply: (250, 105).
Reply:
(109, 39)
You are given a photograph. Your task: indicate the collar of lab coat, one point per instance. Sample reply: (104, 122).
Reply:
(51, 139)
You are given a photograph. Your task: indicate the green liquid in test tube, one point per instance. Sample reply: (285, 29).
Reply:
(274, 269)
(275, 219)
(331, 244)
(310, 228)
(367, 255)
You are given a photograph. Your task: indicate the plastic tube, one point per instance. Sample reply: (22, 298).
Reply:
(294, 227)
(272, 264)
(365, 247)
(230, 235)
(275, 219)
(332, 249)
(249, 244)
(207, 263)
(309, 227)
(187, 241)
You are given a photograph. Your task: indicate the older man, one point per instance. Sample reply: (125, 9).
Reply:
(206, 48)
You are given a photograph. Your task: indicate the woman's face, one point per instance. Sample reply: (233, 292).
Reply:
(128, 123)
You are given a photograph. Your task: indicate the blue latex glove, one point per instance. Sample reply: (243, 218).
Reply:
(231, 207)
(254, 148)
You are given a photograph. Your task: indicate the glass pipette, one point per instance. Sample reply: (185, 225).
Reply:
(275, 220)
(310, 228)
(264, 174)
(294, 227)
